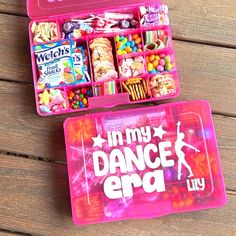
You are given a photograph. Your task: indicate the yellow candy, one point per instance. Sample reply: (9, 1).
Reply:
(152, 58)
(139, 50)
(155, 63)
(135, 36)
(45, 98)
(157, 57)
(85, 102)
(150, 66)
(128, 49)
(119, 52)
(124, 52)
(138, 40)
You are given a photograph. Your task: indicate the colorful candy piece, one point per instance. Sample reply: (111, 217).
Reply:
(156, 40)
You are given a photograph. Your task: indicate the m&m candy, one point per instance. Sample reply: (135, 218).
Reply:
(78, 98)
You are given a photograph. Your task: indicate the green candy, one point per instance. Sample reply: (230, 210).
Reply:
(168, 67)
(125, 40)
(81, 96)
(117, 38)
(167, 59)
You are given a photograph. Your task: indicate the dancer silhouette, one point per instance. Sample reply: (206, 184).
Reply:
(179, 144)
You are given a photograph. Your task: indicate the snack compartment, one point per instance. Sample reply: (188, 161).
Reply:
(137, 89)
(164, 85)
(160, 61)
(44, 31)
(52, 101)
(157, 39)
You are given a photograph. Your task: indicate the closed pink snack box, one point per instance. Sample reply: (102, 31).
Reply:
(143, 163)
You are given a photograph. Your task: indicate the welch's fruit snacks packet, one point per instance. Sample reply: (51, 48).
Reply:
(55, 64)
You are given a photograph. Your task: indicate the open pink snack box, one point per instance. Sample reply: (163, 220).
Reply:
(92, 54)
(143, 163)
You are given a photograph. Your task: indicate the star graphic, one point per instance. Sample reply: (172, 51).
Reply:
(44, 98)
(98, 141)
(159, 132)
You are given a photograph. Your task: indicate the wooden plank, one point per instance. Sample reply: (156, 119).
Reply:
(43, 137)
(5, 233)
(34, 199)
(13, 7)
(210, 21)
(14, 48)
(203, 75)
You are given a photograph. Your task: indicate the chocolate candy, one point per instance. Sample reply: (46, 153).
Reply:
(78, 98)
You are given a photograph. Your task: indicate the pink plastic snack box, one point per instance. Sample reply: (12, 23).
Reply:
(95, 54)
(143, 163)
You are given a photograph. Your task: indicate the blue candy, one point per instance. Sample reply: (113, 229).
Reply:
(132, 44)
(81, 105)
(135, 49)
(121, 38)
(128, 44)
(153, 71)
(45, 109)
(123, 47)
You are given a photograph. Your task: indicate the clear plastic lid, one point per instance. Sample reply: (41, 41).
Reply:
(48, 8)
(143, 163)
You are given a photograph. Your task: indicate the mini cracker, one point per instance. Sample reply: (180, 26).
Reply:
(133, 81)
(135, 93)
(144, 86)
(126, 88)
(132, 93)
(142, 91)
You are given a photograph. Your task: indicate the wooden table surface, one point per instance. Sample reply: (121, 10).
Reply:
(34, 195)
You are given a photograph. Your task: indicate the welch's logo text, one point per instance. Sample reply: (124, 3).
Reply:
(49, 55)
